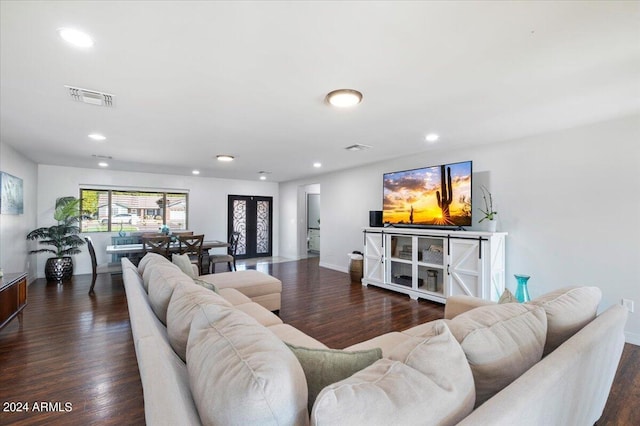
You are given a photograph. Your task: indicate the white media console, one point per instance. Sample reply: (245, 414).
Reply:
(435, 264)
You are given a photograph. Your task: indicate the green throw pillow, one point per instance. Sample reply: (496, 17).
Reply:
(323, 367)
(183, 262)
(206, 284)
(507, 297)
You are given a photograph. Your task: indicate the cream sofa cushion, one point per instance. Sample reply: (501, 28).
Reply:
(183, 262)
(568, 310)
(162, 283)
(425, 381)
(261, 314)
(501, 342)
(386, 342)
(293, 336)
(182, 307)
(152, 266)
(233, 296)
(241, 374)
(148, 259)
(507, 297)
(251, 283)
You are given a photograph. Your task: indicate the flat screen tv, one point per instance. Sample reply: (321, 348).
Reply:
(436, 196)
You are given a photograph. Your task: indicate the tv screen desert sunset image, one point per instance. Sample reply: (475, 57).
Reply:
(439, 195)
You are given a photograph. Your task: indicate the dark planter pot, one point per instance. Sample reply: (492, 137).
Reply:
(58, 269)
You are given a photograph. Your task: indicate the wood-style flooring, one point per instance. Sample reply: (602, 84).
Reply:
(72, 358)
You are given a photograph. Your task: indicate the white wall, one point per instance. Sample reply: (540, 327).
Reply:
(569, 200)
(207, 202)
(14, 247)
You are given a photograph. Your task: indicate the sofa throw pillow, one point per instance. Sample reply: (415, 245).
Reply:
(501, 342)
(507, 297)
(183, 262)
(426, 380)
(323, 367)
(568, 310)
(206, 284)
(241, 373)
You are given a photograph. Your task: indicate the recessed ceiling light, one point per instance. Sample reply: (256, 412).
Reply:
(344, 98)
(196, 172)
(432, 137)
(75, 37)
(103, 164)
(263, 177)
(97, 137)
(317, 165)
(224, 157)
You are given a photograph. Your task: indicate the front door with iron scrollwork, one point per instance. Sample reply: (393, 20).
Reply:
(252, 217)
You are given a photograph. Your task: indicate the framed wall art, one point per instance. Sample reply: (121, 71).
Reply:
(11, 196)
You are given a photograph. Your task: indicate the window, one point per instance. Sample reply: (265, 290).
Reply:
(132, 211)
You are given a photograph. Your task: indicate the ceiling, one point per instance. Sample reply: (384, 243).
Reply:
(195, 79)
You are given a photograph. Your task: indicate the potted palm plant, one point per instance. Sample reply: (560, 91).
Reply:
(63, 237)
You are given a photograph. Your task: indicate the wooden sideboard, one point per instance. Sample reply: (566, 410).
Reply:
(13, 296)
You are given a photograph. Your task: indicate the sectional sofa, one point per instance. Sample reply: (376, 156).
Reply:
(210, 355)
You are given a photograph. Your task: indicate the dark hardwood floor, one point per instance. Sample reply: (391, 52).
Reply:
(72, 355)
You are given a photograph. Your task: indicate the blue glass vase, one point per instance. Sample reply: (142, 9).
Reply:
(522, 293)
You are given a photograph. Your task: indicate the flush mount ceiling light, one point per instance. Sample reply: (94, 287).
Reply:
(103, 164)
(75, 37)
(317, 165)
(224, 157)
(432, 137)
(344, 98)
(97, 137)
(263, 174)
(195, 172)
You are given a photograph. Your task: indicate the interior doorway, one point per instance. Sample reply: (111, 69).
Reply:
(313, 224)
(252, 217)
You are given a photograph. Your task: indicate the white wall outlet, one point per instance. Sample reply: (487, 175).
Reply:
(628, 303)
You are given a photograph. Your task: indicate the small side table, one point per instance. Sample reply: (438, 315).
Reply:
(13, 296)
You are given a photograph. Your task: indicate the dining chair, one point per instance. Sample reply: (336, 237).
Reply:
(157, 244)
(109, 268)
(191, 245)
(229, 258)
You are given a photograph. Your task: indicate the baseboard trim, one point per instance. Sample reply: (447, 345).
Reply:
(334, 267)
(632, 338)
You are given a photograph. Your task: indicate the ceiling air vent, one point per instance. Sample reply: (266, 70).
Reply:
(357, 147)
(90, 96)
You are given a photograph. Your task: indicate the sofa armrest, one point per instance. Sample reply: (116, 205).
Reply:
(583, 368)
(456, 305)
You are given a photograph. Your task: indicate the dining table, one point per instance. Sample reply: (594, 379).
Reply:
(175, 247)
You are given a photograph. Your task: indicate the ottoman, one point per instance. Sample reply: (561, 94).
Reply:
(257, 286)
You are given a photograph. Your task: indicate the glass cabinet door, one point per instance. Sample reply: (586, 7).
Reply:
(400, 255)
(431, 268)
